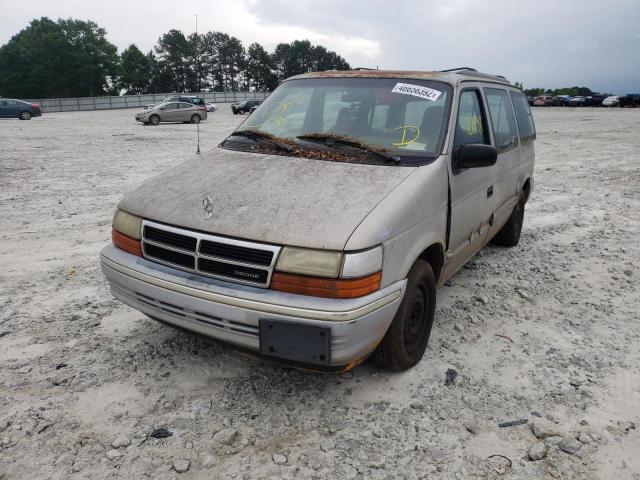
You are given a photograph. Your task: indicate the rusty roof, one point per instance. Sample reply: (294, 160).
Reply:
(452, 77)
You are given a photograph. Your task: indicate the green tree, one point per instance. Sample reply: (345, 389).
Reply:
(233, 55)
(134, 71)
(173, 53)
(58, 59)
(197, 60)
(259, 69)
(213, 57)
(300, 56)
(93, 59)
(533, 92)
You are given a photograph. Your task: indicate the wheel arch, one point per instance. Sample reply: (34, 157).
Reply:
(526, 188)
(434, 255)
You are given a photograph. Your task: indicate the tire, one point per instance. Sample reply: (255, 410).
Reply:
(154, 120)
(406, 340)
(25, 116)
(509, 234)
(195, 118)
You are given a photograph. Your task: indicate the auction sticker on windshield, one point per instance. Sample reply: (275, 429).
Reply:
(417, 91)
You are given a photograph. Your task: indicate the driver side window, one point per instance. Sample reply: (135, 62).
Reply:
(471, 124)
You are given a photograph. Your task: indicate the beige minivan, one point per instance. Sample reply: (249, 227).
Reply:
(317, 231)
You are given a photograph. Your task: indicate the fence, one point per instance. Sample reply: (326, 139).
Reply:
(134, 101)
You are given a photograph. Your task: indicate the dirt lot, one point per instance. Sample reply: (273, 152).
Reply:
(548, 332)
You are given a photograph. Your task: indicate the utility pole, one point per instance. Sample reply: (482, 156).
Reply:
(197, 43)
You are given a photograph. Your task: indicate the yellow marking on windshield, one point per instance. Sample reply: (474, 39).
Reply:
(403, 141)
(277, 111)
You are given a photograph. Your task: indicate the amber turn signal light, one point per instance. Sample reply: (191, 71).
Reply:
(128, 244)
(326, 287)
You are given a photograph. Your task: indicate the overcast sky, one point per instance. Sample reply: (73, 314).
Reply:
(550, 43)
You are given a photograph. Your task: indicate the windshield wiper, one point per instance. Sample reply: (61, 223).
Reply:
(333, 139)
(259, 136)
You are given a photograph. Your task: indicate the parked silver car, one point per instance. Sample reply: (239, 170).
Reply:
(173, 112)
(195, 99)
(318, 231)
(612, 101)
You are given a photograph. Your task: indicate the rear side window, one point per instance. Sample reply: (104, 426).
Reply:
(471, 125)
(526, 126)
(502, 121)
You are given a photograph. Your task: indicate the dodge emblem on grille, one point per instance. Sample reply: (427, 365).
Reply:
(207, 203)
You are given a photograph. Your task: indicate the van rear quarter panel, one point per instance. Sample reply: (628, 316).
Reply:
(407, 221)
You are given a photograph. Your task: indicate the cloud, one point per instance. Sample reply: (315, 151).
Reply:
(549, 44)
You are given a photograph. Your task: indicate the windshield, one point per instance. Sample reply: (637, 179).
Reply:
(404, 118)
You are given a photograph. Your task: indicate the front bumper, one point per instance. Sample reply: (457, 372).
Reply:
(232, 313)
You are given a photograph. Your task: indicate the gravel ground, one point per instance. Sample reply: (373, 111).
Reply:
(547, 332)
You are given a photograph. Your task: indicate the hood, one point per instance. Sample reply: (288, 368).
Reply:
(267, 198)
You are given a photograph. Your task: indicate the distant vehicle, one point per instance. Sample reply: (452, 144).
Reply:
(561, 101)
(245, 106)
(530, 100)
(194, 99)
(543, 101)
(254, 108)
(612, 101)
(173, 112)
(578, 102)
(211, 107)
(629, 100)
(12, 108)
(595, 100)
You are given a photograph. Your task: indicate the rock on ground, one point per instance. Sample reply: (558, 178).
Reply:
(538, 451)
(225, 436)
(181, 465)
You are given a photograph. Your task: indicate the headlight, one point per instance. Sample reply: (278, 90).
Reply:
(361, 264)
(321, 273)
(318, 263)
(127, 224)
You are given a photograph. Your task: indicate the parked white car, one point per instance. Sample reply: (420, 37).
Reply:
(612, 101)
(318, 231)
(211, 107)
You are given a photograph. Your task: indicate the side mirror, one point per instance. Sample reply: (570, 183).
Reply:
(474, 155)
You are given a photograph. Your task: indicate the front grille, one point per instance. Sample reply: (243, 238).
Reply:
(232, 271)
(170, 256)
(210, 255)
(239, 254)
(170, 238)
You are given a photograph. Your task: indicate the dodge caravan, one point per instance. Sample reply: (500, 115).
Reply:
(318, 231)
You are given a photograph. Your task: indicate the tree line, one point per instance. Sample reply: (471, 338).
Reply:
(571, 91)
(73, 58)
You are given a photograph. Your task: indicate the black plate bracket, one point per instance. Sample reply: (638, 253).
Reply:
(295, 341)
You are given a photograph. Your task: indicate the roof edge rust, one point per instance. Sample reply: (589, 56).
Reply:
(452, 77)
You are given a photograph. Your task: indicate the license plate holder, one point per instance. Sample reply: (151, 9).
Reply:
(295, 341)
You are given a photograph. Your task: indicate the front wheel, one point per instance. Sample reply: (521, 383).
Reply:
(195, 118)
(406, 340)
(25, 116)
(154, 120)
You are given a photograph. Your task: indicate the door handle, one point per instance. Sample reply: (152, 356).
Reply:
(490, 191)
